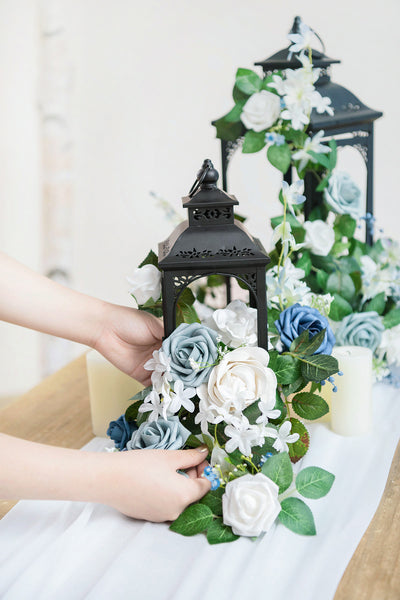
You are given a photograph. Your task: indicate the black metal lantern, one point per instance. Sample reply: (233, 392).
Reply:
(352, 123)
(211, 242)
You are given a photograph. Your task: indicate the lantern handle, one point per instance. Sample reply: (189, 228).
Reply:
(296, 29)
(207, 165)
(319, 39)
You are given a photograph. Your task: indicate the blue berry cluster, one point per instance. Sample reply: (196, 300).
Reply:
(210, 474)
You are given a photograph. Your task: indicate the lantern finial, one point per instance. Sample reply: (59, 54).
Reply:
(296, 25)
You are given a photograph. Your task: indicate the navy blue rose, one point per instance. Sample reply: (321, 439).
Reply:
(192, 349)
(120, 431)
(295, 319)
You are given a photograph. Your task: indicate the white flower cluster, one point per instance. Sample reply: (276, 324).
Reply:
(285, 285)
(381, 276)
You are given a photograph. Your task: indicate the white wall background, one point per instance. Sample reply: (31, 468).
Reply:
(148, 77)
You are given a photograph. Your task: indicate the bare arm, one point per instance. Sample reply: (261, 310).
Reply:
(142, 483)
(125, 336)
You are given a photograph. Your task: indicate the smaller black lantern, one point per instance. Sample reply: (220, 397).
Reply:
(212, 242)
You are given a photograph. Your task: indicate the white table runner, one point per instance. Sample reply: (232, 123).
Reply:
(67, 551)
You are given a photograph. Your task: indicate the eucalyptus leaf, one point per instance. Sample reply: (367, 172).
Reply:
(305, 263)
(194, 519)
(309, 406)
(234, 115)
(341, 283)
(392, 318)
(254, 141)
(151, 259)
(314, 482)
(340, 308)
(346, 225)
(297, 516)
(280, 157)
(279, 469)
(377, 303)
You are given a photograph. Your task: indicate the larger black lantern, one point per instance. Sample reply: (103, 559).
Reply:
(212, 241)
(352, 123)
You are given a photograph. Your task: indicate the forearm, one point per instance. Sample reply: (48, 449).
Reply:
(31, 300)
(35, 471)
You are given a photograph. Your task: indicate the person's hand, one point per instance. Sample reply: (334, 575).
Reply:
(128, 338)
(144, 484)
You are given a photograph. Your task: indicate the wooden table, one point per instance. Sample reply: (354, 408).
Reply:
(57, 412)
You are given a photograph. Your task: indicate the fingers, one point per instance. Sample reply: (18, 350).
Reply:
(183, 459)
(192, 472)
(201, 467)
(199, 488)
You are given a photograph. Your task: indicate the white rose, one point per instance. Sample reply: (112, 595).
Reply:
(241, 378)
(250, 504)
(320, 237)
(390, 344)
(146, 283)
(261, 110)
(236, 324)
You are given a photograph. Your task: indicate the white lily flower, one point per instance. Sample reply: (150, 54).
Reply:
(301, 41)
(160, 365)
(242, 436)
(311, 145)
(181, 397)
(206, 416)
(154, 405)
(293, 194)
(283, 232)
(322, 103)
(284, 437)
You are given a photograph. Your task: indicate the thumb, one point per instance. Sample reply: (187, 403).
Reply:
(190, 458)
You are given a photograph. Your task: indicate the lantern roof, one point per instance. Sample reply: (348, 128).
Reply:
(211, 238)
(349, 111)
(287, 60)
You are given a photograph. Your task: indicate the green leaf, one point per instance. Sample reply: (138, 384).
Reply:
(233, 115)
(287, 368)
(193, 441)
(279, 405)
(254, 141)
(252, 412)
(299, 448)
(322, 278)
(296, 136)
(279, 469)
(248, 81)
(392, 318)
(377, 303)
(321, 159)
(238, 95)
(151, 259)
(280, 157)
(218, 533)
(309, 406)
(297, 516)
(215, 280)
(295, 386)
(341, 283)
(346, 225)
(305, 345)
(185, 313)
(259, 451)
(305, 263)
(348, 264)
(131, 413)
(187, 296)
(323, 183)
(340, 308)
(318, 367)
(227, 130)
(314, 482)
(213, 499)
(194, 519)
(332, 154)
(326, 263)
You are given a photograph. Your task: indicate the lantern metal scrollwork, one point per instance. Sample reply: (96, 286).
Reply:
(211, 242)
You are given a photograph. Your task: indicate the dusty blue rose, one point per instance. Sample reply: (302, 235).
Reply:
(343, 195)
(163, 434)
(120, 431)
(361, 329)
(191, 344)
(295, 319)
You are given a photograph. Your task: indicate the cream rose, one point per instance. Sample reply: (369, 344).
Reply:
(236, 324)
(250, 504)
(319, 238)
(261, 110)
(241, 378)
(145, 283)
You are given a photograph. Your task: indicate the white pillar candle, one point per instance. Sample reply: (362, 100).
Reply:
(351, 412)
(110, 391)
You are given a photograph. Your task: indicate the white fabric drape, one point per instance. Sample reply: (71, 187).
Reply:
(69, 551)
